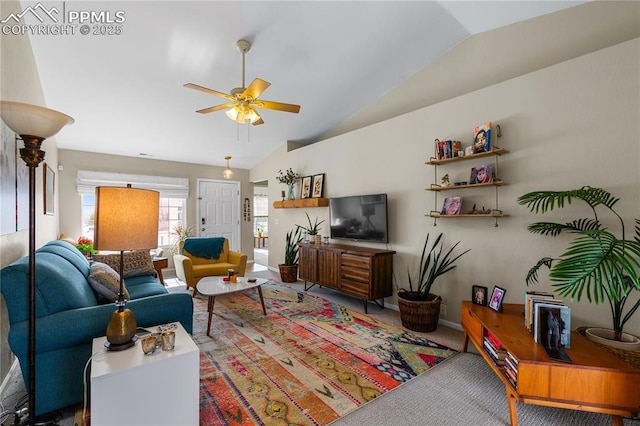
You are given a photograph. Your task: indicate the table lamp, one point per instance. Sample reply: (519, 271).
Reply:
(125, 219)
(34, 124)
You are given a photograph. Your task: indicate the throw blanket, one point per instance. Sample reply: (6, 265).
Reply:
(205, 247)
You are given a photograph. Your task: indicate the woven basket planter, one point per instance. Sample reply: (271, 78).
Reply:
(420, 315)
(631, 357)
(288, 273)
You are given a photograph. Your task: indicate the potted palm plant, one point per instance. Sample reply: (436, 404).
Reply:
(312, 229)
(419, 307)
(597, 262)
(289, 269)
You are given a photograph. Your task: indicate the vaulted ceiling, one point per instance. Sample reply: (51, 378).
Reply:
(335, 59)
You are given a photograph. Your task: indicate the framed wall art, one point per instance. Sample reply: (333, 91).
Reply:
(306, 187)
(49, 188)
(318, 183)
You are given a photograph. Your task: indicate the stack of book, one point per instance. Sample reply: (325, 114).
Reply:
(548, 319)
(511, 369)
(493, 348)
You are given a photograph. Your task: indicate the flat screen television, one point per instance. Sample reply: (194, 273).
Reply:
(359, 218)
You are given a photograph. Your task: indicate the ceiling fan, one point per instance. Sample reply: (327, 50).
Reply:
(244, 101)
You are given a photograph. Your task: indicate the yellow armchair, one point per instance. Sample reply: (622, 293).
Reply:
(191, 268)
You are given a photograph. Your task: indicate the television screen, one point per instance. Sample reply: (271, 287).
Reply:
(359, 218)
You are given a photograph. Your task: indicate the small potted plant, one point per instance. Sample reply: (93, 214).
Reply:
(85, 245)
(312, 229)
(289, 178)
(604, 265)
(419, 307)
(289, 269)
(180, 234)
(259, 230)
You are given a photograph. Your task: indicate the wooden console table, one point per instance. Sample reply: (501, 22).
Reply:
(363, 272)
(595, 381)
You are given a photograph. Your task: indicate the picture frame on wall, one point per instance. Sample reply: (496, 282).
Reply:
(479, 295)
(306, 187)
(49, 184)
(497, 297)
(318, 184)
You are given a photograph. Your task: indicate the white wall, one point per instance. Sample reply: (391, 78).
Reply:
(569, 125)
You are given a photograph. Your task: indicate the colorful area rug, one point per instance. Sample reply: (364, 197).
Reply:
(308, 362)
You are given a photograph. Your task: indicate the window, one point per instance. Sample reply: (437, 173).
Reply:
(173, 198)
(261, 213)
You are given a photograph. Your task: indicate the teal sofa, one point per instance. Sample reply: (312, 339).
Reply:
(70, 315)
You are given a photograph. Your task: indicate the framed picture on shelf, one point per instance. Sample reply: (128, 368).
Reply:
(479, 295)
(481, 174)
(451, 206)
(318, 183)
(306, 187)
(497, 296)
(482, 138)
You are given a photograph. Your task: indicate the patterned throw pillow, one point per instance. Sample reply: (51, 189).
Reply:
(106, 282)
(137, 262)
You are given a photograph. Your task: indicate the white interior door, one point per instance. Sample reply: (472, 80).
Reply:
(219, 211)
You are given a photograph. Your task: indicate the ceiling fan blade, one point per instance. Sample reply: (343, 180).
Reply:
(210, 91)
(216, 108)
(256, 88)
(259, 120)
(278, 106)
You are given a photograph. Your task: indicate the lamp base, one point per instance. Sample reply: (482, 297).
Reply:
(113, 347)
(121, 329)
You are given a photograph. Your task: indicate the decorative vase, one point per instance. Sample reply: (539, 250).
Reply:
(292, 192)
(317, 239)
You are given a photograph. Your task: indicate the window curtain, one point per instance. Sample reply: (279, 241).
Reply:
(168, 187)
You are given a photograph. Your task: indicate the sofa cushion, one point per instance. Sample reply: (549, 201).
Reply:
(137, 262)
(143, 286)
(106, 282)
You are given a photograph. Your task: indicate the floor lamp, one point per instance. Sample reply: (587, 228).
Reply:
(125, 219)
(34, 124)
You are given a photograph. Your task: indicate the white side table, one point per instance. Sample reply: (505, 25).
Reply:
(129, 387)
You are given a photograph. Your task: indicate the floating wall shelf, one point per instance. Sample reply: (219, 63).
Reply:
(301, 203)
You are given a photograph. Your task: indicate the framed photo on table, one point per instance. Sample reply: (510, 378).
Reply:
(479, 295)
(497, 296)
(318, 183)
(49, 179)
(306, 187)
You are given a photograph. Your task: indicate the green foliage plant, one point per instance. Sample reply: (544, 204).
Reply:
(293, 237)
(597, 262)
(434, 262)
(311, 229)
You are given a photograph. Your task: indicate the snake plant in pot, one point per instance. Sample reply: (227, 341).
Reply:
(419, 307)
(598, 262)
(289, 269)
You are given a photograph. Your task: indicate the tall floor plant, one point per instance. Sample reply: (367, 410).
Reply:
(597, 262)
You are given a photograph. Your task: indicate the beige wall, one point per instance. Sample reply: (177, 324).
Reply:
(568, 125)
(70, 201)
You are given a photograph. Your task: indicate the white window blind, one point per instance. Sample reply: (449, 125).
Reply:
(168, 187)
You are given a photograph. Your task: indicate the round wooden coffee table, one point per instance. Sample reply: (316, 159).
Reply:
(215, 286)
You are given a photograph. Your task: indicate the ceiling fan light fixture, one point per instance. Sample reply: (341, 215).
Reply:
(227, 173)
